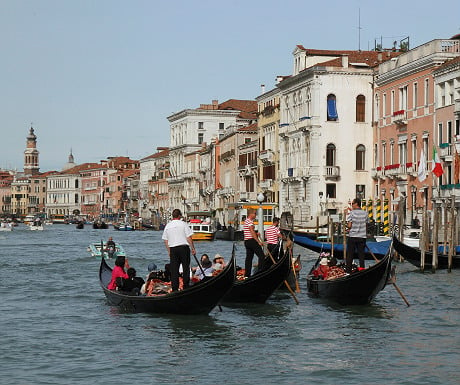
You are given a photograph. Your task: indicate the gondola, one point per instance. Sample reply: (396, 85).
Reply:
(358, 288)
(413, 256)
(378, 248)
(258, 287)
(200, 298)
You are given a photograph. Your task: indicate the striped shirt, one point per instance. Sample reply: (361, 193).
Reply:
(271, 235)
(246, 228)
(358, 219)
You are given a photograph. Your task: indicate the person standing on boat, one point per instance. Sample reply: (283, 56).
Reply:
(252, 243)
(177, 236)
(273, 237)
(357, 222)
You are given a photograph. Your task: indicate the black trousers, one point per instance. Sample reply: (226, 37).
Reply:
(179, 255)
(275, 250)
(252, 247)
(355, 244)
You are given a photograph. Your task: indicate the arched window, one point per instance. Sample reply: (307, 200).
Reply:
(360, 108)
(360, 157)
(331, 108)
(330, 155)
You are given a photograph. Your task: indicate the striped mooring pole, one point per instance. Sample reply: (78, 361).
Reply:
(370, 211)
(386, 222)
(378, 212)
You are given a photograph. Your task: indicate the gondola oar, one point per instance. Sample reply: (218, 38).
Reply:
(392, 279)
(102, 248)
(285, 281)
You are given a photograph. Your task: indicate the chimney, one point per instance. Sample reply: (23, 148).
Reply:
(262, 88)
(278, 79)
(379, 56)
(345, 61)
(215, 104)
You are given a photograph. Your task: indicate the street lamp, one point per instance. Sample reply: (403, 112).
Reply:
(260, 215)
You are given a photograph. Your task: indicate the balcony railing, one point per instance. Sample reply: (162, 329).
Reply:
(399, 117)
(332, 172)
(267, 156)
(266, 183)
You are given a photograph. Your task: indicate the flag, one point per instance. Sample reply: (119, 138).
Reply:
(436, 164)
(421, 173)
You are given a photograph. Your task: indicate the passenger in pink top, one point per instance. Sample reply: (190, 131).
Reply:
(118, 271)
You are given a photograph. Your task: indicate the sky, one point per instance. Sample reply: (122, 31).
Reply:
(100, 77)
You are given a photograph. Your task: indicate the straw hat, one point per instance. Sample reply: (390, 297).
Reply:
(324, 261)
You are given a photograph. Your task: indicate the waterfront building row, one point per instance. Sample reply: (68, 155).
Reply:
(343, 124)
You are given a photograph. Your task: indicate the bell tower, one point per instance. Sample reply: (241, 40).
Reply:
(31, 154)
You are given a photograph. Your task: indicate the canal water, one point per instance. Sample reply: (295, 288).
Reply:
(57, 328)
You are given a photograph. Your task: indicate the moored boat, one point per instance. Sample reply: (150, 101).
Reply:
(201, 224)
(200, 298)
(414, 256)
(260, 286)
(123, 227)
(357, 288)
(6, 226)
(378, 248)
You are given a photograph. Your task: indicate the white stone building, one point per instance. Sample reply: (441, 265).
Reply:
(326, 132)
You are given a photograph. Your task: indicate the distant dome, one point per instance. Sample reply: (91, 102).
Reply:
(70, 163)
(455, 37)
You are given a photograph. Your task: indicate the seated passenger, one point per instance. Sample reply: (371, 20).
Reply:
(322, 270)
(206, 269)
(118, 271)
(218, 262)
(132, 284)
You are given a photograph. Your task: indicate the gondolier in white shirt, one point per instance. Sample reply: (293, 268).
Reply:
(177, 236)
(357, 222)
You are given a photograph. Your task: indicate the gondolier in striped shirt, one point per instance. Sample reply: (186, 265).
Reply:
(252, 243)
(273, 238)
(357, 222)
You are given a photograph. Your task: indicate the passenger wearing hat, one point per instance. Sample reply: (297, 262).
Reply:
(323, 269)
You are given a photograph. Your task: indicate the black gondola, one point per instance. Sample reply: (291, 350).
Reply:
(80, 225)
(260, 286)
(413, 256)
(200, 298)
(379, 249)
(358, 288)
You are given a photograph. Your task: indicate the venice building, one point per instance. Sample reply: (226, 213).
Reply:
(326, 131)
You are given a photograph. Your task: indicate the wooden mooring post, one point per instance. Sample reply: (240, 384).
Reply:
(423, 240)
(435, 237)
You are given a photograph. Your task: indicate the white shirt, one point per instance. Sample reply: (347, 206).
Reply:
(176, 233)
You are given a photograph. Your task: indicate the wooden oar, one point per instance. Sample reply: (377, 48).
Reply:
(285, 281)
(392, 279)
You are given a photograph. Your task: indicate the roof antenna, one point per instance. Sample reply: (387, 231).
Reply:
(359, 29)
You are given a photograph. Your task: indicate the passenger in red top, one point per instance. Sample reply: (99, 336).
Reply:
(118, 271)
(273, 238)
(252, 243)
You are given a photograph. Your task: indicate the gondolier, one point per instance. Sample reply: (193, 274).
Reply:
(252, 243)
(177, 236)
(273, 237)
(357, 222)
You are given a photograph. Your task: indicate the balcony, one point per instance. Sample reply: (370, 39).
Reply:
(332, 172)
(244, 196)
(175, 180)
(267, 156)
(226, 156)
(226, 192)
(399, 117)
(446, 151)
(266, 184)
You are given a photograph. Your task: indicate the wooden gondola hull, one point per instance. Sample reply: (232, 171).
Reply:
(413, 256)
(260, 286)
(200, 298)
(359, 288)
(378, 248)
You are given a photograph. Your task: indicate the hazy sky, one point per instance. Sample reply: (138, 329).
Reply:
(101, 76)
